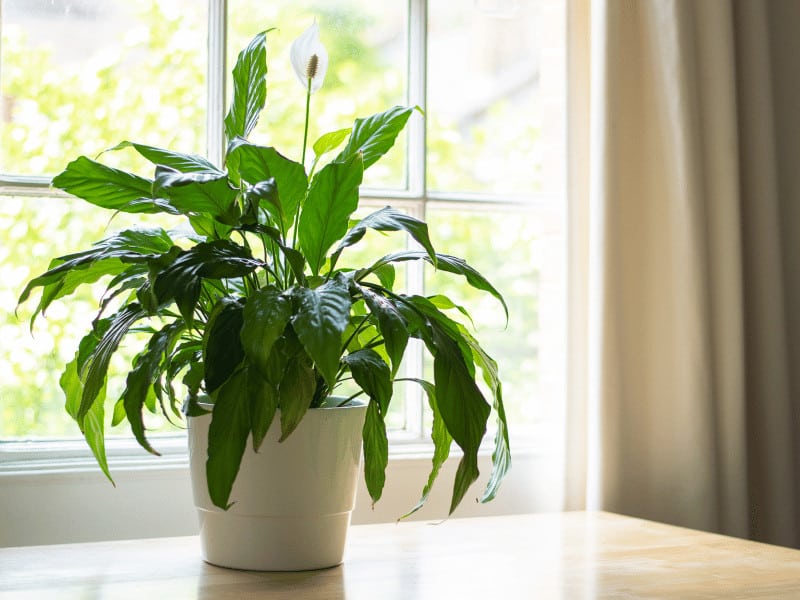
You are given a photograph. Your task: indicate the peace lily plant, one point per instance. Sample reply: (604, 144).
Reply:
(248, 306)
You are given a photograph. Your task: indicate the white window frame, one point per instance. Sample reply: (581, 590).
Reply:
(33, 473)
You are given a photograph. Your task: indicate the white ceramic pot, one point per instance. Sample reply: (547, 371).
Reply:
(292, 500)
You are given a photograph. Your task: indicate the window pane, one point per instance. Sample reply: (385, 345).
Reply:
(526, 264)
(495, 92)
(367, 48)
(79, 76)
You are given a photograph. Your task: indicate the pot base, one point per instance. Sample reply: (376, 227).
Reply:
(273, 543)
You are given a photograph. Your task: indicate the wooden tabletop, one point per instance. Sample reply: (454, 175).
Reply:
(562, 555)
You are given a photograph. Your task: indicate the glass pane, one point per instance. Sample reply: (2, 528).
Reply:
(495, 96)
(367, 48)
(521, 253)
(32, 232)
(79, 76)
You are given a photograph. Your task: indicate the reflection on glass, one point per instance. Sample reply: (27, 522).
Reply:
(79, 76)
(484, 97)
(518, 252)
(367, 47)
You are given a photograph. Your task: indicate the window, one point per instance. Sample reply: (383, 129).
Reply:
(485, 167)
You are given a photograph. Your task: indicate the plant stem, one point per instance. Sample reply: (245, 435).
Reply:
(305, 131)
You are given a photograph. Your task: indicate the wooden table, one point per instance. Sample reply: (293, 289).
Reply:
(563, 555)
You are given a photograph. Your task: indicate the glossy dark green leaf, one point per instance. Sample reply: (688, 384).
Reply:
(209, 193)
(372, 375)
(92, 424)
(320, 319)
(94, 370)
(376, 451)
(101, 185)
(373, 136)
(222, 347)
(266, 315)
(444, 262)
(227, 437)
(332, 198)
(249, 88)
(296, 393)
(442, 440)
(147, 367)
(392, 325)
(462, 406)
(263, 404)
(259, 163)
(185, 163)
(389, 219)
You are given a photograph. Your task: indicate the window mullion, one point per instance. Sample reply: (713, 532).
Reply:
(417, 91)
(217, 36)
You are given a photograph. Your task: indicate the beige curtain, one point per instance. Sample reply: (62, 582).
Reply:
(685, 324)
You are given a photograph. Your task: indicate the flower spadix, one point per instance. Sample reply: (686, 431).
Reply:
(309, 59)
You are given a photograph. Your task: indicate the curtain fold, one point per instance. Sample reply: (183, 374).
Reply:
(683, 399)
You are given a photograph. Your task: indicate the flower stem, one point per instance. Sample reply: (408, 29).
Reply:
(305, 132)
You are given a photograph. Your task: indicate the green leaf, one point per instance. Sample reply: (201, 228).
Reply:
(222, 348)
(209, 193)
(227, 437)
(263, 404)
(181, 280)
(296, 393)
(376, 451)
(185, 163)
(249, 88)
(442, 440)
(392, 325)
(462, 406)
(388, 219)
(332, 198)
(374, 136)
(147, 367)
(266, 315)
(330, 141)
(101, 185)
(372, 375)
(92, 423)
(321, 317)
(444, 262)
(259, 163)
(95, 368)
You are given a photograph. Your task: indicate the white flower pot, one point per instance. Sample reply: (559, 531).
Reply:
(292, 500)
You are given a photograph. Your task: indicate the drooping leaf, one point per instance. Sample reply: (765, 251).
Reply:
(263, 404)
(389, 219)
(442, 440)
(376, 451)
(101, 185)
(249, 88)
(266, 315)
(146, 369)
(463, 408)
(94, 369)
(372, 375)
(227, 437)
(392, 325)
(296, 393)
(92, 423)
(321, 317)
(222, 347)
(373, 136)
(332, 198)
(444, 262)
(185, 163)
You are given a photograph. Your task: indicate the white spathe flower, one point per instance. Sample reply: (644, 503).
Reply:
(309, 58)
